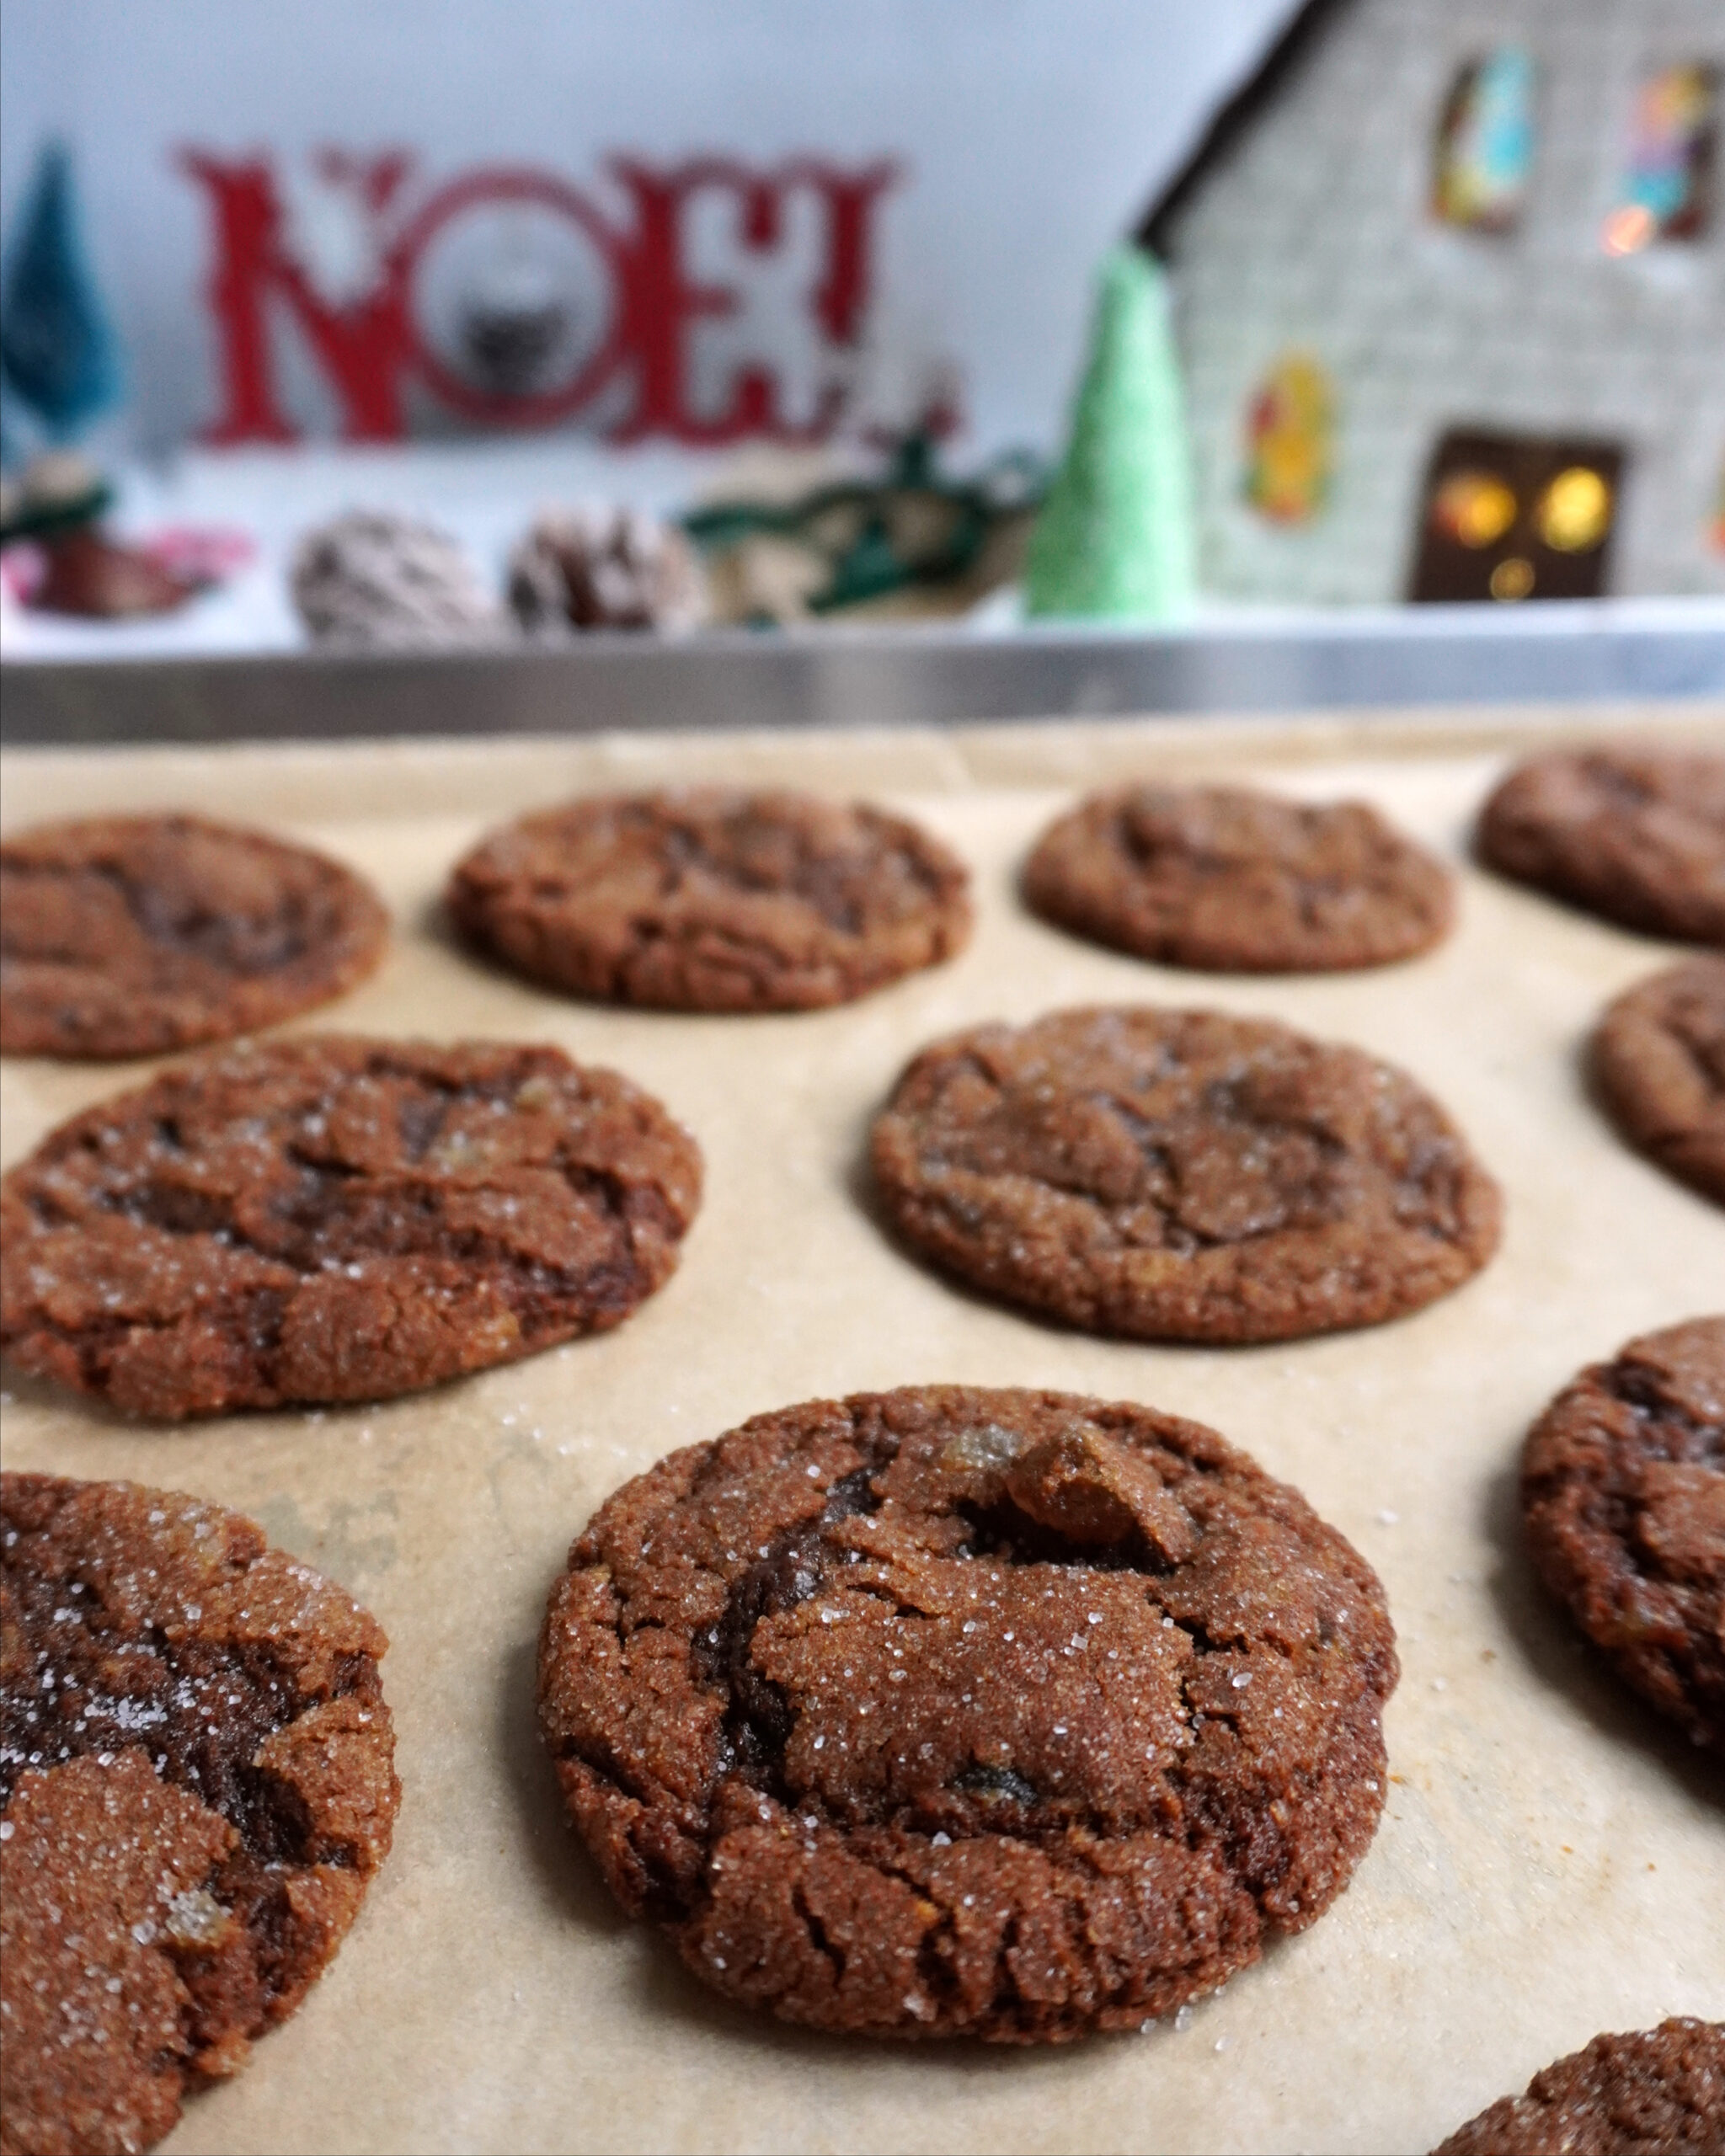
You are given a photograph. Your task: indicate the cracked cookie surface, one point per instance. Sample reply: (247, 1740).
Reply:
(136, 935)
(331, 1219)
(1233, 881)
(1635, 834)
(1180, 1175)
(1657, 2092)
(706, 899)
(954, 1711)
(1659, 1058)
(197, 1784)
(1623, 1495)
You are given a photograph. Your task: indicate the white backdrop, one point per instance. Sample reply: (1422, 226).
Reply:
(1030, 133)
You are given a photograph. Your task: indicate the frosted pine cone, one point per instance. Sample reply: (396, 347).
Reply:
(374, 577)
(598, 568)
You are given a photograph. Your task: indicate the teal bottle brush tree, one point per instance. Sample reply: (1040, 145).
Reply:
(1114, 541)
(59, 356)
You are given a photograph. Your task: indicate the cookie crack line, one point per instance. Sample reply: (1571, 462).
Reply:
(1639, 1390)
(804, 882)
(283, 937)
(117, 1661)
(988, 1791)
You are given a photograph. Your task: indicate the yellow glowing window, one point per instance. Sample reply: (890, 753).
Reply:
(1474, 509)
(1574, 512)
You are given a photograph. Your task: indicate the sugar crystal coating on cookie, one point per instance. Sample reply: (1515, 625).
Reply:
(707, 899)
(950, 1710)
(1623, 1495)
(133, 935)
(1180, 1175)
(197, 1784)
(1657, 2092)
(1632, 832)
(1659, 1058)
(333, 1219)
(1235, 881)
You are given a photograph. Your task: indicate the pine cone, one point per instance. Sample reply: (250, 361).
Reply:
(374, 577)
(599, 568)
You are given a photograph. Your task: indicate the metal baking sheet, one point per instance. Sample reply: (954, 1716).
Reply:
(850, 677)
(1551, 1861)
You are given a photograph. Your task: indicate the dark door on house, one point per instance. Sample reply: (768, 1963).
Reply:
(1511, 517)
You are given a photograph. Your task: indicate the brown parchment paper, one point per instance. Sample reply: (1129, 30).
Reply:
(1551, 1861)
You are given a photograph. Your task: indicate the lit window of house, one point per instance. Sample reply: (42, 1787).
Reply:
(1485, 148)
(1667, 179)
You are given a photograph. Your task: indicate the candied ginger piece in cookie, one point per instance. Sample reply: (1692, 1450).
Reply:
(1631, 832)
(1623, 1499)
(197, 1784)
(1659, 2092)
(328, 1219)
(1233, 881)
(1659, 1058)
(950, 1711)
(134, 935)
(708, 899)
(1180, 1175)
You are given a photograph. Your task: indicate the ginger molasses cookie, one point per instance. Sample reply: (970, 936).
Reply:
(1234, 881)
(197, 1782)
(713, 901)
(1181, 1175)
(1623, 1494)
(136, 935)
(1659, 1058)
(328, 1218)
(1635, 834)
(955, 1712)
(1660, 2092)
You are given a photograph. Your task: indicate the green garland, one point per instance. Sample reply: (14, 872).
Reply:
(850, 524)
